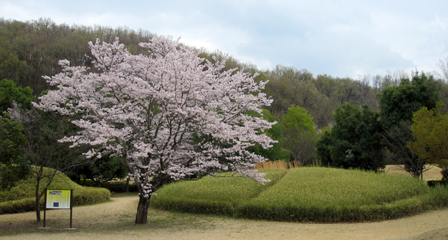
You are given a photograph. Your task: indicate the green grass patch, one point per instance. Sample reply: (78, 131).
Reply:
(306, 195)
(21, 197)
(215, 195)
(337, 195)
(26, 188)
(321, 187)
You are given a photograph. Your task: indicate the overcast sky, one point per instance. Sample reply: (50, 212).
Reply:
(338, 38)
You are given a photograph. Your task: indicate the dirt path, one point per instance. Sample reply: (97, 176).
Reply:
(114, 220)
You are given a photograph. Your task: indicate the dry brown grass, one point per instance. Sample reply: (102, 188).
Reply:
(282, 164)
(433, 172)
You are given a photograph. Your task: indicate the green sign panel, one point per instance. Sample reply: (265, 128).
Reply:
(58, 199)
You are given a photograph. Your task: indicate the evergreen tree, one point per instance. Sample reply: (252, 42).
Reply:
(354, 142)
(398, 104)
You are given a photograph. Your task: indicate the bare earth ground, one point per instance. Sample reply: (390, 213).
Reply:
(433, 172)
(114, 220)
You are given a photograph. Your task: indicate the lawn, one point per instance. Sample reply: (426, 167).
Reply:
(217, 195)
(313, 194)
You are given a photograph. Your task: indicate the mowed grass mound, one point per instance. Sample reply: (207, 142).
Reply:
(310, 194)
(21, 197)
(337, 195)
(212, 195)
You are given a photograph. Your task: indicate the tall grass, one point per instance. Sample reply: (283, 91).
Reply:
(330, 186)
(305, 194)
(218, 195)
(334, 195)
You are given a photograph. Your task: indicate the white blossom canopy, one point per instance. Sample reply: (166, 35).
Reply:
(167, 112)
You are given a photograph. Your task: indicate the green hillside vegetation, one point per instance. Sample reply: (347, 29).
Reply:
(214, 195)
(311, 194)
(21, 197)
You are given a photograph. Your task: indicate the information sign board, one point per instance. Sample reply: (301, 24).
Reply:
(58, 199)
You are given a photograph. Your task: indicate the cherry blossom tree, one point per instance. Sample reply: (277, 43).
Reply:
(168, 114)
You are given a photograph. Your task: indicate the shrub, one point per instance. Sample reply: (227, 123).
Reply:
(82, 196)
(445, 173)
(195, 206)
(115, 186)
(26, 188)
(433, 183)
(87, 195)
(21, 198)
(17, 206)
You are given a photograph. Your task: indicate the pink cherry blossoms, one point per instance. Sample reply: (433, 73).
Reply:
(168, 113)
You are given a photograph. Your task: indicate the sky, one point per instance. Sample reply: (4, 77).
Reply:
(338, 38)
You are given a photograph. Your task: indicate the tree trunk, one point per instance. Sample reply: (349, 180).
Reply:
(421, 172)
(143, 204)
(39, 177)
(127, 185)
(37, 195)
(37, 206)
(142, 210)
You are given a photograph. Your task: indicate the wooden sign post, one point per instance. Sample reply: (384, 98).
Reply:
(58, 199)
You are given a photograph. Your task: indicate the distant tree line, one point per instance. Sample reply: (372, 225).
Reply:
(30, 50)
(343, 122)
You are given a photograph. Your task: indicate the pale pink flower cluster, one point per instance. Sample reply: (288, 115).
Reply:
(166, 112)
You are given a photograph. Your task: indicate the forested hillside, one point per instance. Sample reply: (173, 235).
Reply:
(30, 50)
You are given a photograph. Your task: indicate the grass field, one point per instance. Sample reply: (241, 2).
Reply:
(216, 195)
(321, 187)
(306, 194)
